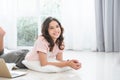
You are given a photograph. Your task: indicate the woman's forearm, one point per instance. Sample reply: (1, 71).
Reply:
(58, 64)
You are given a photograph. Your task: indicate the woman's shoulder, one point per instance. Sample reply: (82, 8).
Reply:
(42, 38)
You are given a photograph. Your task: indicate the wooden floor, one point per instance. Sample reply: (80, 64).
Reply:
(95, 66)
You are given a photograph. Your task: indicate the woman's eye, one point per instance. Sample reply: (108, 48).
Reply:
(57, 26)
(51, 28)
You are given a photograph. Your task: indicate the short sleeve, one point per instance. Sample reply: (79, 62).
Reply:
(41, 45)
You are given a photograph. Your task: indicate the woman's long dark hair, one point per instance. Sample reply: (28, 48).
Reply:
(46, 35)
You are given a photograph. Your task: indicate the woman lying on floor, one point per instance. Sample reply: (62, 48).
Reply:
(47, 52)
(13, 56)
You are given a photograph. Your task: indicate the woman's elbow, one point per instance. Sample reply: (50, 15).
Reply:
(43, 64)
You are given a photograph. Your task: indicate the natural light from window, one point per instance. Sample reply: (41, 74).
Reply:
(24, 17)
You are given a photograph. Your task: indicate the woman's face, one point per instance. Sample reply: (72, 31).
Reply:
(54, 30)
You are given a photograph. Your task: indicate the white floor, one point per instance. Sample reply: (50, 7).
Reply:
(95, 66)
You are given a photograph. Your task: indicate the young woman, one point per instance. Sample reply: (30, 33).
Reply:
(48, 48)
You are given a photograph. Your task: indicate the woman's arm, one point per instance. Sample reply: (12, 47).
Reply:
(43, 61)
(72, 63)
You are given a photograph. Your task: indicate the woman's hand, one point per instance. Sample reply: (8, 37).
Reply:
(75, 64)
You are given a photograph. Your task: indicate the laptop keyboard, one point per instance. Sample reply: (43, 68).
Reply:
(14, 74)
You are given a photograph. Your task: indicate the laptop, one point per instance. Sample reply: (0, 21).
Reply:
(5, 72)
